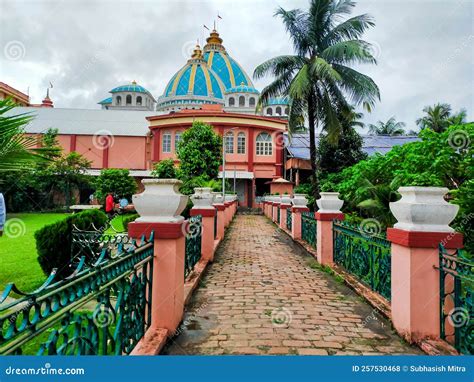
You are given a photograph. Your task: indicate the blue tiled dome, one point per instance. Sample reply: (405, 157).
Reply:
(278, 101)
(133, 87)
(242, 88)
(195, 83)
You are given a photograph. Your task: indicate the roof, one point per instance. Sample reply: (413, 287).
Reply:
(133, 87)
(242, 88)
(105, 101)
(228, 70)
(86, 121)
(277, 101)
(299, 146)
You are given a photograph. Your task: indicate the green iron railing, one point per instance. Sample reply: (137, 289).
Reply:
(456, 278)
(102, 308)
(278, 215)
(365, 255)
(289, 219)
(309, 228)
(193, 244)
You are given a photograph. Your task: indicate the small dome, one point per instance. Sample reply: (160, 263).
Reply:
(133, 87)
(278, 101)
(195, 83)
(242, 88)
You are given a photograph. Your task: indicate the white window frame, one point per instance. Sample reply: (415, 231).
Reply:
(241, 143)
(177, 138)
(264, 146)
(229, 142)
(166, 142)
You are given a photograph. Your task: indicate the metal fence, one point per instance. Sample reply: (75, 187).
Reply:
(365, 255)
(193, 244)
(102, 308)
(289, 219)
(309, 228)
(456, 280)
(215, 225)
(278, 215)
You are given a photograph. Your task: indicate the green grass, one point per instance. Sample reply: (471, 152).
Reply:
(18, 256)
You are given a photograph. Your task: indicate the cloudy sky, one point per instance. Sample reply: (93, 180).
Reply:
(425, 48)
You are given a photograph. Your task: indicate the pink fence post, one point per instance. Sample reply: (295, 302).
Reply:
(202, 200)
(169, 248)
(276, 206)
(220, 207)
(300, 204)
(284, 210)
(329, 210)
(423, 222)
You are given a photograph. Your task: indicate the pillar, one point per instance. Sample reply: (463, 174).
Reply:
(423, 218)
(220, 207)
(284, 209)
(202, 200)
(296, 224)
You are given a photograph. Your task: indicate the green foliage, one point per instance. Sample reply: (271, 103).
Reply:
(115, 181)
(391, 127)
(199, 152)
(306, 188)
(17, 150)
(439, 117)
(164, 169)
(440, 159)
(128, 219)
(54, 241)
(347, 152)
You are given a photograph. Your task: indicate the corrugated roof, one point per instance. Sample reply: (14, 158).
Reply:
(86, 121)
(299, 146)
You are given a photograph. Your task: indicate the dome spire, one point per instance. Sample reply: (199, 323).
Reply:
(214, 41)
(197, 52)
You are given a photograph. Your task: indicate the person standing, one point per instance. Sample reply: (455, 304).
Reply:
(3, 213)
(109, 206)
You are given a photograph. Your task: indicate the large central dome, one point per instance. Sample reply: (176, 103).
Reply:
(211, 76)
(193, 85)
(229, 71)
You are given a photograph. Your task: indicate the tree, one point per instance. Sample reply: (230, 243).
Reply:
(318, 78)
(164, 169)
(391, 127)
(17, 150)
(115, 181)
(439, 117)
(347, 151)
(199, 152)
(67, 173)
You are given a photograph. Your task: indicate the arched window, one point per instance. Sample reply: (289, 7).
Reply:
(229, 142)
(166, 143)
(177, 139)
(139, 101)
(231, 101)
(241, 143)
(252, 101)
(264, 144)
(278, 110)
(269, 111)
(118, 100)
(241, 101)
(129, 100)
(286, 110)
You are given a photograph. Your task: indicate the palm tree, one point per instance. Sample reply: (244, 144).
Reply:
(17, 150)
(392, 127)
(318, 78)
(439, 117)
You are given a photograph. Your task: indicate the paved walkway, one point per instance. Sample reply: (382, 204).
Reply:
(265, 295)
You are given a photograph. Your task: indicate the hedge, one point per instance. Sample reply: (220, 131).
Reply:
(54, 241)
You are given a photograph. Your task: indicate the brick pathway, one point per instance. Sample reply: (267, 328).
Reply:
(265, 295)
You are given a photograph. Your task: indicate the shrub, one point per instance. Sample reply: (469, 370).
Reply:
(54, 241)
(115, 181)
(128, 219)
(164, 169)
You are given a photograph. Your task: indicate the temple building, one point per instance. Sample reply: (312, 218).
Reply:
(133, 130)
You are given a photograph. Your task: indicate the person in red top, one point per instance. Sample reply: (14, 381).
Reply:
(109, 205)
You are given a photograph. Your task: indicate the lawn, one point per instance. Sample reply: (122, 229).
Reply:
(18, 257)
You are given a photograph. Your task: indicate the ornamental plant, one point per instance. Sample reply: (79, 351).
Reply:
(164, 169)
(115, 181)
